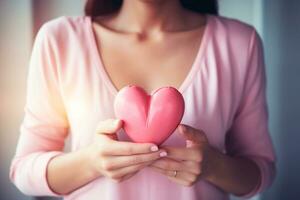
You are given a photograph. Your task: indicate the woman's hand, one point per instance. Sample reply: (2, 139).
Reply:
(184, 165)
(119, 160)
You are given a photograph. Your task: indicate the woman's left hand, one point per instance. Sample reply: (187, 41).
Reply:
(184, 165)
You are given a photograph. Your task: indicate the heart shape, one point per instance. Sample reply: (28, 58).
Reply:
(149, 118)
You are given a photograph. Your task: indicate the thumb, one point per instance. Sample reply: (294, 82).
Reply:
(193, 136)
(109, 127)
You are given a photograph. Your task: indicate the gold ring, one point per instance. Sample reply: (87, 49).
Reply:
(175, 173)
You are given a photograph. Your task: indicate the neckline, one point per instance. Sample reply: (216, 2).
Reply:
(184, 84)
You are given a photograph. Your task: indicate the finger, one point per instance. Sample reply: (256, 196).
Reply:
(113, 162)
(168, 164)
(184, 181)
(127, 171)
(179, 181)
(109, 126)
(123, 148)
(183, 153)
(180, 175)
(191, 134)
(128, 176)
(172, 165)
(192, 167)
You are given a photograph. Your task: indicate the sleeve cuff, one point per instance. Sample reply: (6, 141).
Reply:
(41, 182)
(267, 174)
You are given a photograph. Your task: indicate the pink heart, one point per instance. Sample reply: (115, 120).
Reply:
(149, 118)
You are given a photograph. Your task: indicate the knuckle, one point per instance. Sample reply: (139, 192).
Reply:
(118, 180)
(193, 179)
(100, 146)
(113, 176)
(198, 156)
(198, 169)
(107, 165)
(101, 151)
(188, 184)
(108, 174)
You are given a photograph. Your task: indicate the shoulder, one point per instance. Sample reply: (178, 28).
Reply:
(62, 38)
(235, 38)
(234, 31)
(233, 27)
(231, 24)
(63, 28)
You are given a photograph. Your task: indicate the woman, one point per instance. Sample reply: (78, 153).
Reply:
(79, 64)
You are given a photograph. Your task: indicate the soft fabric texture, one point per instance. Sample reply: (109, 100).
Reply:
(69, 92)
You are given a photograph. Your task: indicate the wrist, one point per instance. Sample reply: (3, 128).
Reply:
(214, 163)
(88, 161)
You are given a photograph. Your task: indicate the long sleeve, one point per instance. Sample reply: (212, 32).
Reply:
(249, 134)
(45, 125)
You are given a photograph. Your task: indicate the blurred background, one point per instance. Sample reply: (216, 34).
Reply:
(277, 21)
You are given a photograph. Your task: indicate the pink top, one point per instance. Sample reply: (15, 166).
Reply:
(69, 91)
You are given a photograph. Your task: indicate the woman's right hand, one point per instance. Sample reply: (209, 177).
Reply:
(119, 160)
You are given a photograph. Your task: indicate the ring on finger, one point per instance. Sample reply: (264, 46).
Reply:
(175, 173)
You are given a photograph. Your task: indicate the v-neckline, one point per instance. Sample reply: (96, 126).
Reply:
(96, 56)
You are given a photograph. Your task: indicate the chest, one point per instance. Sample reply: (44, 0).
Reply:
(210, 103)
(148, 63)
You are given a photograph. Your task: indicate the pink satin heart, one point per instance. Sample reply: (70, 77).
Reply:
(149, 118)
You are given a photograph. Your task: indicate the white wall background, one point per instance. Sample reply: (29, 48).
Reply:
(277, 21)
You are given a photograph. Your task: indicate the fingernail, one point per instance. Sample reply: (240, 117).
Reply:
(163, 154)
(154, 148)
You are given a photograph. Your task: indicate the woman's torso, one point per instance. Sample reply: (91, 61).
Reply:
(149, 57)
(211, 84)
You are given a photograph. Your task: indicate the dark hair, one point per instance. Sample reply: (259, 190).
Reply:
(95, 8)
